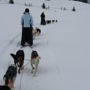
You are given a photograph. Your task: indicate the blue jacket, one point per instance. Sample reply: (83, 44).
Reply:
(26, 20)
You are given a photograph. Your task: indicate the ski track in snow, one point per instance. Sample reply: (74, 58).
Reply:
(8, 45)
(51, 65)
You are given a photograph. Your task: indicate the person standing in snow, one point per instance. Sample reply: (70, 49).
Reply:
(27, 26)
(43, 22)
(43, 6)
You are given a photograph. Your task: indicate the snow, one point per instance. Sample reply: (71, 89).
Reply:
(64, 46)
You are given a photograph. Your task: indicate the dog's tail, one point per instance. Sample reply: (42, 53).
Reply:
(14, 58)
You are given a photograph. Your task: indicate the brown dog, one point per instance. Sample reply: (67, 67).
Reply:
(18, 59)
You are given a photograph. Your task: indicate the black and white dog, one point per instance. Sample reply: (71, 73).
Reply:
(18, 59)
(36, 32)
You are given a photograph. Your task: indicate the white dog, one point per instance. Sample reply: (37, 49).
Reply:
(35, 59)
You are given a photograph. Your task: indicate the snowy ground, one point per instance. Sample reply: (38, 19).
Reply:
(64, 47)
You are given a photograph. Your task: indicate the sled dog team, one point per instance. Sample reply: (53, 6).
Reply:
(18, 58)
(28, 34)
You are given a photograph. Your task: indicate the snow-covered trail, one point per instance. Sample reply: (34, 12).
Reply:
(64, 47)
(48, 70)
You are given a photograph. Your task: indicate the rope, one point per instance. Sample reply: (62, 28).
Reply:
(21, 80)
(27, 62)
(22, 75)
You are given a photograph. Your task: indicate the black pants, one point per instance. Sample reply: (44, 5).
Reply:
(27, 36)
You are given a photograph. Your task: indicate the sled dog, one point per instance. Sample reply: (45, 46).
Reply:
(51, 21)
(35, 59)
(36, 32)
(10, 74)
(18, 59)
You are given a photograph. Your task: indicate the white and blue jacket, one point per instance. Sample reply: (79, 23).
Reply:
(27, 20)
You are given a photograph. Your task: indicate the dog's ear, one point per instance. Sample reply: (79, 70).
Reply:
(13, 56)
